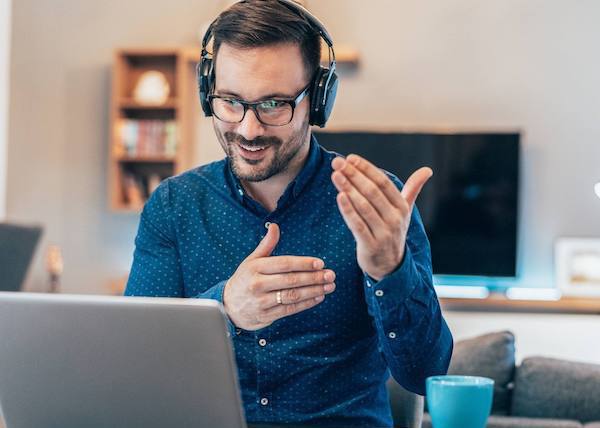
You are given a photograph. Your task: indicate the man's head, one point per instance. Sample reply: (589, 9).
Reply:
(263, 50)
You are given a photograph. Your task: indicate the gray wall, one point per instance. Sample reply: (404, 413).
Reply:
(461, 64)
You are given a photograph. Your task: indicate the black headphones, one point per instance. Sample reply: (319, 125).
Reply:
(323, 87)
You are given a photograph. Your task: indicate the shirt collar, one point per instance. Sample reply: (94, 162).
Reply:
(236, 187)
(309, 169)
(306, 173)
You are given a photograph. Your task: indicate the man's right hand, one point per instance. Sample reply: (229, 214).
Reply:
(251, 294)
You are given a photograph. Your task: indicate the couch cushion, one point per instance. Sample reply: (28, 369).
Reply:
(496, 421)
(491, 355)
(551, 388)
(592, 425)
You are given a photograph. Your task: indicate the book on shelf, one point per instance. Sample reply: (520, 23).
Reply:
(133, 191)
(138, 186)
(135, 138)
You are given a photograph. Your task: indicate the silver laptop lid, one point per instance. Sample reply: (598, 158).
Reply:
(88, 361)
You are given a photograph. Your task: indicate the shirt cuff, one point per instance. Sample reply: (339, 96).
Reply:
(216, 293)
(398, 285)
(395, 302)
(405, 285)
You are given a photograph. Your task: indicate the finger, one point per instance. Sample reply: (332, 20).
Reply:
(283, 264)
(364, 208)
(296, 295)
(267, 244)
(296, 279)
(351, 176)
(353, 220)
(414, 184)
(281, 311)
(381, 180)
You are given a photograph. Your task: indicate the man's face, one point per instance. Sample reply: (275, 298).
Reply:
(258, 74)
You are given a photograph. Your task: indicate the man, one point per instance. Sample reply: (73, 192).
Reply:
(321, 263)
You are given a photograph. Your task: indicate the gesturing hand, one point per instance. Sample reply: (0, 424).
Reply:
(265, 288)
(376, 212)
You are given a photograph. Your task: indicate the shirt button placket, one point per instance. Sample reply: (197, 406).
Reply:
(262, 343)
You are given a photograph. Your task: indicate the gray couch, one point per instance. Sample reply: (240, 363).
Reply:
(539, 393)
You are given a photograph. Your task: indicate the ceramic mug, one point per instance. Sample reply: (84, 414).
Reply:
(459, 401)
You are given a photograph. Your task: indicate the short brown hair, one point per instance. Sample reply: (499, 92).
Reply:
(259, 23)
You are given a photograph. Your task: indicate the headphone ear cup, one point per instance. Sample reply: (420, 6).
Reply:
(204, 74)
(322, 96)
(316, 97)
(330, 94)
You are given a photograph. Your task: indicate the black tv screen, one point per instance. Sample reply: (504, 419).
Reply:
(470, 205)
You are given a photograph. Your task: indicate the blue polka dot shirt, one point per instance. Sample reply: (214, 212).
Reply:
(327, 365)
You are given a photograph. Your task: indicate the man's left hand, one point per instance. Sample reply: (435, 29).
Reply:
(376, 212)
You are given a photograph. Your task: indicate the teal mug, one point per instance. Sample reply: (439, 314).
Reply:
(459, 401)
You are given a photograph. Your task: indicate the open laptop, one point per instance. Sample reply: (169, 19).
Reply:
(17, 246)
(73, 361)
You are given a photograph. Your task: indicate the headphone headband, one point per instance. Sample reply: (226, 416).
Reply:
(314, 21)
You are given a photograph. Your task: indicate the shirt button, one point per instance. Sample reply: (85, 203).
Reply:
(262, 342)
(369, 283)
(241, 192)
(379, 293)
(267, 224)
(392, 335)
(264, 401)
(238, 331)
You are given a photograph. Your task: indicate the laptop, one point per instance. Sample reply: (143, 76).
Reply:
(73, 361)
(17, 246)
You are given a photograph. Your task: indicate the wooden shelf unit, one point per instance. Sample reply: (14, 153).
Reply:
(130, 103)
(133, 168)
(144, 159)
(500, 303)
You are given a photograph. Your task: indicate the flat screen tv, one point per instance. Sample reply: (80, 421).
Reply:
(470, 205)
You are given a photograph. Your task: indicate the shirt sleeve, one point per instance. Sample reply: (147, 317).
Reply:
(412, 334)
(156, 269)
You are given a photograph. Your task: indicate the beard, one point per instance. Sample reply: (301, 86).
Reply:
(281, 153)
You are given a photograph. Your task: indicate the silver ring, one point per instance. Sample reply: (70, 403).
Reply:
(279, 302)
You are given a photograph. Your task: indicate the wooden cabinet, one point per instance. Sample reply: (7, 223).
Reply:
(149, 141)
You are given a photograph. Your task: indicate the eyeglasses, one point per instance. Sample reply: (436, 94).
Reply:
(273, 112)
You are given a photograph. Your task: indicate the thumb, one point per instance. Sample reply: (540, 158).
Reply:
(267, 244)
(414, 184)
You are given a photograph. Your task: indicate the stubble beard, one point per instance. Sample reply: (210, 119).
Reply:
(278, 162)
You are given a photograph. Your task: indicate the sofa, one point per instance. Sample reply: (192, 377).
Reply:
(539, 393)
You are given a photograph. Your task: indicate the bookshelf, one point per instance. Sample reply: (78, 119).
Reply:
(149, 141)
